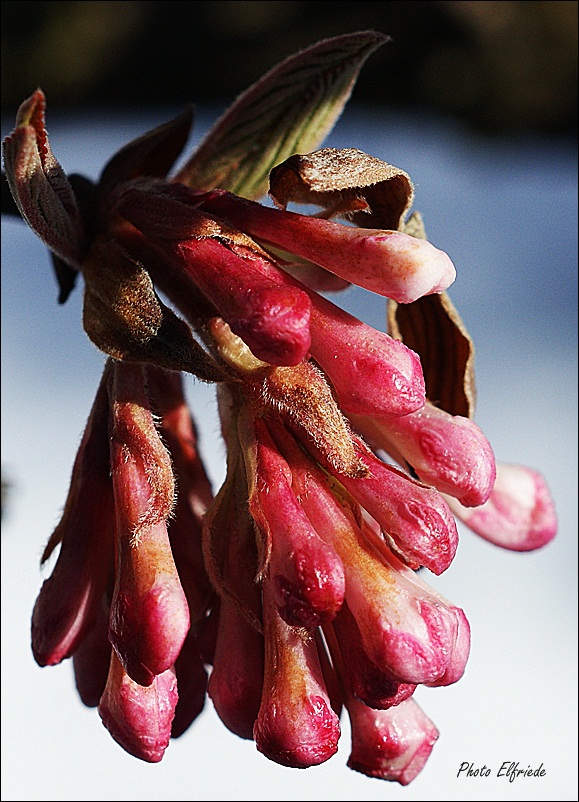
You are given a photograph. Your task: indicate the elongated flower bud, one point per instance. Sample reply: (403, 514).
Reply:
(270, 316)
(296, 725)
(194, 489)
(407, 631)
(366, 681)
(389, 263)
(371, 373)
(149, 616)
(416, 632)
(69, 601)
(390, 744)
(459, 648)
(519, 514)
(449, 452)
(307, 577)
(459, 654)
(139, 718)
(236, 681)
(415, 519)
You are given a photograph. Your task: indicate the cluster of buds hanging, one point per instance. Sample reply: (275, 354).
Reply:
(293, 595)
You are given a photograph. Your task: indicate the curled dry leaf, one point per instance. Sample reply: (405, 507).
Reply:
(347, 182)
(302, 395)
(125, 318)
(433, 328)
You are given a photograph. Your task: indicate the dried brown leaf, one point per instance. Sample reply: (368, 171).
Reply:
(347, 182)
(432, 327)
(125, 318)
(302, 397)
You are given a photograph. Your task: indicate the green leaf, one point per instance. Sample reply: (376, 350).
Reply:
(289, 110)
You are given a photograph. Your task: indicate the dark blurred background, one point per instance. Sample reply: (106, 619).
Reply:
(500, 66)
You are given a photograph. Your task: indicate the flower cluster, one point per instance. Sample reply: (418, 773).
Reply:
(293, 594)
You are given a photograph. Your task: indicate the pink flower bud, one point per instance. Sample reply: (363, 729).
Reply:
(296, 725)
(414, 518)
(449, 452)
(149, 616)
(519, 514)
(139, 718)
(389, 263)
(406, 630)
(366, 681)
(459, 654)
(236, 682)
(270, 316)
(390, 744)
(458, 648)
(307, 576)
(371, 373)
(69, 601)
(194, 497)
(273, 319)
